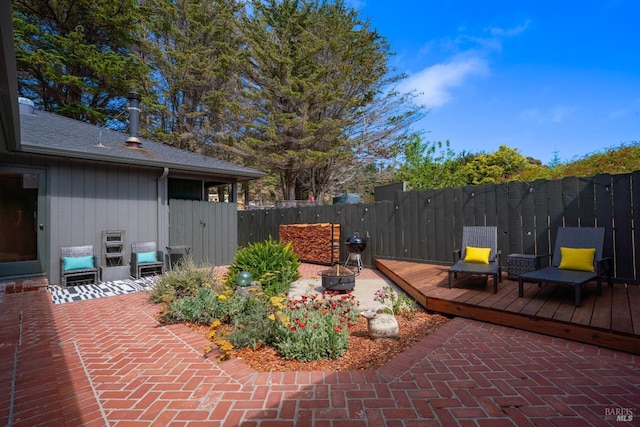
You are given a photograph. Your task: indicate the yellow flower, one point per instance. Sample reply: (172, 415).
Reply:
(277, 302)
(272, 317)
(222, 297)
(207, 349)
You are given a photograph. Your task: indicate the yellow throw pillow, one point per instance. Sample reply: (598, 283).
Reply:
(580, 259)
(478, 255)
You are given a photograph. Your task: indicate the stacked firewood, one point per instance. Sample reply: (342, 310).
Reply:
(314, 243)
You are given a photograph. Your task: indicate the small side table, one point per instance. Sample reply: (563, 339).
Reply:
(521, 263)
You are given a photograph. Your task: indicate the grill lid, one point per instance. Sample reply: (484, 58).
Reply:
(355, 243)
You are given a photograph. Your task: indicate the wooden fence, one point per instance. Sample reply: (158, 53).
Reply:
(208, 229)
(427, 225)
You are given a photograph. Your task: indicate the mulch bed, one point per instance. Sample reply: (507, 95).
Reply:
(363, 352)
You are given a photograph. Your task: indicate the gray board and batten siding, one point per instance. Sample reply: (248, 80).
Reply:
(85, 198)
(426, 226)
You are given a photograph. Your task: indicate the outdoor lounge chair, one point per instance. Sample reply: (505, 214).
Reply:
(146, 258)
(478, 254)
(78, 263)
(581, 248)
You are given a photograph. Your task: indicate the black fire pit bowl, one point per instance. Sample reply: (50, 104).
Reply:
(338, 279)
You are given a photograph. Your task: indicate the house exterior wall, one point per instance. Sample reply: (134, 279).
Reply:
(86, 198)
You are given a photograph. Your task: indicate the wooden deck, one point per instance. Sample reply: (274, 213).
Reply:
(611, 320)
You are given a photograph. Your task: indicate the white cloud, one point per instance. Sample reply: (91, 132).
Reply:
(510, 32)
(556, 114)
(434, 84)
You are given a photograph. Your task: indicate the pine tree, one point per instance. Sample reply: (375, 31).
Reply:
(74, 56)
(320, 93)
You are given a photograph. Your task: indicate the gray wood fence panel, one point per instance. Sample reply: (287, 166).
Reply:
(429, 218)
(528, 219)
(502, 220)
(387, 228)
(442, 217)
(454, 228)
(210, 229)
(469, 197)
(555, 208)
(541, 212)
(604, 210)
(623, 238)
(447, 225)
(515, 230)
(587, 202)
(423, 225)
(458, 215)
(570, 201)
(398, 227)
(412, 225)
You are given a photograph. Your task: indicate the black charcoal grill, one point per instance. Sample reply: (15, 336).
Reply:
(355, 245)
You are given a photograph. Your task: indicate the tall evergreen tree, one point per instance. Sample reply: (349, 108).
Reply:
(321, 93)
(73, 56)
(193, 48)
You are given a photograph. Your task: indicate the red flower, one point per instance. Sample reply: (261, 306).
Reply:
(324, 311)
(293, 328)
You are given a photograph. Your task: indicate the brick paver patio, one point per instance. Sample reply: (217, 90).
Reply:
(107, 362)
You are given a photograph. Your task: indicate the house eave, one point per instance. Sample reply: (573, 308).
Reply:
(238, 176)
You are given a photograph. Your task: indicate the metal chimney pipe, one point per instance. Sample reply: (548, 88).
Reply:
(134, 120)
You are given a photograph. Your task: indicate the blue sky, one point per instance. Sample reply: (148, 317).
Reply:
(539, 76)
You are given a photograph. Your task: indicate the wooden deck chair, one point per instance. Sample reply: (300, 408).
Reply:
(478, 254)
(577, 259)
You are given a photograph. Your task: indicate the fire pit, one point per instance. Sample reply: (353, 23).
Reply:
(338, 279)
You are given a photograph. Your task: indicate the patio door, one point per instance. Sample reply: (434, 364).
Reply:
(22, 227)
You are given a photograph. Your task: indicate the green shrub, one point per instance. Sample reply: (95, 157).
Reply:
(315, 327)
(271, 262)
(395, 303)
(199, 308)
(184, 280)
(250, 321)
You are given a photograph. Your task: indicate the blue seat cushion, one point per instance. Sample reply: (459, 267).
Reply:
(78, 262)
(145, 257)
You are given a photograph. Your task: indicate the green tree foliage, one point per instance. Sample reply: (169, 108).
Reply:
(320, 93)
(193, 48)
(430, 165)
(74, 56)
(623, 159)
(498, 166)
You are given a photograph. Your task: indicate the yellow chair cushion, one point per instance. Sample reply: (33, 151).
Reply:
(580, 259)
(477, 255)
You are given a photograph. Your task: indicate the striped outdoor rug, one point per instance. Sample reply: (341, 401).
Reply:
(61, 295)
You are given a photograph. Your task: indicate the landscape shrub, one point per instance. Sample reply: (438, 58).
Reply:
(315, 327)
(183, 280)
(395, 303)
(271, 262)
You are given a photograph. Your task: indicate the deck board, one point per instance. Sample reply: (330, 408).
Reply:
(611, 320)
